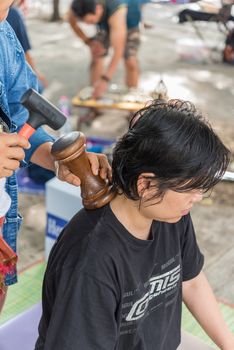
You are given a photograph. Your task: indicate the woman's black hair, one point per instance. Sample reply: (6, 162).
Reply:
(176, 144)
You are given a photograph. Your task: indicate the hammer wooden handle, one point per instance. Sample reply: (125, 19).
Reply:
(70, 150)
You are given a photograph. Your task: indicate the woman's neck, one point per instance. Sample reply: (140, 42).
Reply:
(128, 213)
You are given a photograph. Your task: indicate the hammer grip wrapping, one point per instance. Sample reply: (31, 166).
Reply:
(27, 131)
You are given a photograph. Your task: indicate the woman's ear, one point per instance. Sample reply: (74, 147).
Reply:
(143, 184)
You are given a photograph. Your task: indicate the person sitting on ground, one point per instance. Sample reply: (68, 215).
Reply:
(117, 27)
(117, 275)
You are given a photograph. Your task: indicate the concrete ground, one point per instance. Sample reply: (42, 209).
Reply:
(210, 85)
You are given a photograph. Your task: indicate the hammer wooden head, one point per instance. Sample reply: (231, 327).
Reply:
(70, 150)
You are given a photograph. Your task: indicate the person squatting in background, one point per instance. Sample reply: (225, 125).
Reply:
(117, 23)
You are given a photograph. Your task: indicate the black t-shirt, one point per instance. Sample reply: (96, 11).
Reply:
(105, 289)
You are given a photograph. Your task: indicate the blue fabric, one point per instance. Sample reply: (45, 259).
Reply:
(12, 222)
(16, 77)
(133, 14)
(16, 20)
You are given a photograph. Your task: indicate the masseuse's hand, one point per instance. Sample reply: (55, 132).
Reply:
(11, 152)
(99, 165)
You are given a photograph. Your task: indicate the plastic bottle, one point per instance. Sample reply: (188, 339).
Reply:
(65, 108)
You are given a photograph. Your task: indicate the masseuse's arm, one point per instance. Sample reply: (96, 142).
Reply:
(42, 156)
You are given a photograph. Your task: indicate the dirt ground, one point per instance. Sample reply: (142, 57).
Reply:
(64, 60)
